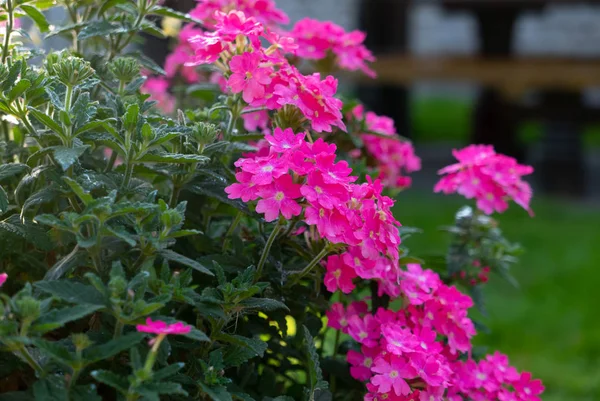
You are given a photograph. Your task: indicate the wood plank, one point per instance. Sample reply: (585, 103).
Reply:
(512, 75)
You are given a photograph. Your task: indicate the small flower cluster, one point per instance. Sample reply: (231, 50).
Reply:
(413, 353)
(393, 156)
(487, 176)
(264, 11)
(296, 178)
(264, 76)
(475, 275)
(317, 39)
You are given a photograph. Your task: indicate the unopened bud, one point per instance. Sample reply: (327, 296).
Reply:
(205, 133)
(29, 308)
(124, 68)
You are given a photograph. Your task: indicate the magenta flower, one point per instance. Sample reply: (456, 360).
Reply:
(248, 77)
(3, 278)
(265, 11)
(391, 373)
(284, 140)
(256, 121)
(361, 362)
(159, 327)
(490, 178)
(263, 169)
(365, 330)
(244, 189)
(339, 275)
(279, 198)
(528, 389)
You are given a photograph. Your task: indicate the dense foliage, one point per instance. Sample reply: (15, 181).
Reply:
(220, 229)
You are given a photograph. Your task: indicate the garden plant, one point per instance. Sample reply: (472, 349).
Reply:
(221, 228)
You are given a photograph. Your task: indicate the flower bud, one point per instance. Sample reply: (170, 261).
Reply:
(29, 308)
(81, 341)
(69, 70)
(117, 286)
(124, 68)
(205, 133)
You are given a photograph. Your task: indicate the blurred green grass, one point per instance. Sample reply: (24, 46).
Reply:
(449, 119)
(551, 324)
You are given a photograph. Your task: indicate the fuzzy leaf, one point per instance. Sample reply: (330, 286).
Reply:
(112, 347)
(3, 200)
(173, 158)
(162, 388)
(100, 28)
(167, 12)
(19, 89)
(168, 371)
(111, 379)
(12, 169)
(47, 121)
(67, 156)
(184, 260)
(58, 317)
(72, 291)
(50, 389)
(56, 351)
(13, 73)
(216, 393)
(235, 354)
(263, 304)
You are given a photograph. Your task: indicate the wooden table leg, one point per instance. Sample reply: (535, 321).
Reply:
(385, 22)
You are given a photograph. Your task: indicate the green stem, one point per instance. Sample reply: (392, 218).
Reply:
(128, 173)
(6, 130)
(9, 28)
(308, 267)
(232, 228)
(26, 356)
(263, 257)
(111, 161)
(118, 329)
(174, 195)
(231, 124)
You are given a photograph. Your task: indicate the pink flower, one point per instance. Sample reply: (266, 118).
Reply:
(284, 140)
(279, 198)
(339, 275)
(361, 362)
(256, 121)
(3, 278)
(490, 178)
(390, 375)
(528, 389)
(364, 330)
(207, 48)
(399, 341)
(248, 77)
(336, 317)
(177, 62)
(160, 327)
(264, 11)
(431, 368)
(263, 169)
(229, 25)
(244, 189)
(158, 88)
(323, 194)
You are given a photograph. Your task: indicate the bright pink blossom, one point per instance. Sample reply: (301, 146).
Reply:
(391, 373)
(339, 275)
(490, 178)
(248, 77)
(279, 198)
(160, 327)
(3, 278)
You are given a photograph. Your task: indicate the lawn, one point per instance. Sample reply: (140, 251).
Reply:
(551, 324)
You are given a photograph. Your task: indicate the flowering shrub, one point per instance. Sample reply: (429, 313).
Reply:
(223, 228)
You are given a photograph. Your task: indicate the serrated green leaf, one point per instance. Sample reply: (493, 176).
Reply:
(111, 379)
(67, 156)
(173, 158)
(167, 12)
(92, 125)
(101, 28)
(56, 351)
(167, 371)
(37, 17)
(3, 200)
(12, 169)
(13, 73)
(58, 317)
(162, 388)
(313, 366)
(19, 89)
(216, 393)
(81, 193)
(235, 355)
(263, 304)
(184, 260)
(112, 347)
(47, 121)
(72, 291)
(50, 389)
(72, 260)
(30, 232)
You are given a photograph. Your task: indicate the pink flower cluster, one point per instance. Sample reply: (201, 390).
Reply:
(317, 39)
(158, 89)
(264, 76)
(300, 178)
(264, 11)
(491, 178)
(3, 278)
(413, 353)
(393, 156)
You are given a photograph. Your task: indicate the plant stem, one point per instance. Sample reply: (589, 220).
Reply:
(174, 195)
(232, 228)
(308, 267)
(263, 257)
(118, 329)
(9, 28)
(26, 356)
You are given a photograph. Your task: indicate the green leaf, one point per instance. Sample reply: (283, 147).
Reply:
(50, 389)
(29, 231)
(112, 347)
(52, 221)
(173, 158)
(216, 393)
(130, 118)
(151, 29)
(167, 12)
(111, 379)
(184, 260)
(37, 17)
(168, 371)
(58, 317)
(162, 388)
(19, 89)
(67, 156)
(56, 351)
(216, 190)
(12, 169)
(72, 291)
(85, 197)
(85, 393)
(315, 376)
(147, 62)
(257, 347)
(3, 200)
(100, 28)
(13, 73)
(196, 335)
(263, 304)
(92, 125)
(235, 354)
(16, 396)
(47, 121)
(74, 259)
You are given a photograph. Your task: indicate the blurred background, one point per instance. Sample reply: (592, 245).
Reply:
(524, 76)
